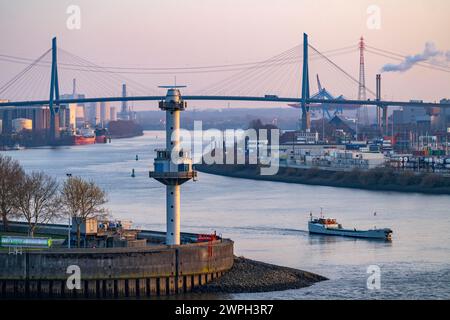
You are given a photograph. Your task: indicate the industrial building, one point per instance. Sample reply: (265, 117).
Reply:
(433, 118)
(113, 113)
(80, 109)
(346, 125)
(21, 124)
(99, 113)
(445, 116)
(105, 113)
(68, 116)
(125, 112)
(106, 234)
(92, 113)
(413, 115)
(335, 157)
(39, 116)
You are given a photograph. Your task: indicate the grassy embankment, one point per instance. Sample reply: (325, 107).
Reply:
(384, 179)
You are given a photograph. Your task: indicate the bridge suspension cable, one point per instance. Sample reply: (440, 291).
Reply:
(249, 77)
(278, 75)
(345, 73)
(159, 70)
(17, 78)
(94, 70)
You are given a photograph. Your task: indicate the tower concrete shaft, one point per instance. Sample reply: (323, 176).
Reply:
(173, 214)
(173, 130)
(173, 190)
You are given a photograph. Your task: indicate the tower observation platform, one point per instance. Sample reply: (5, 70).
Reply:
(173, 165)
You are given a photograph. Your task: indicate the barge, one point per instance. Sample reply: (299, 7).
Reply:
(331, 227)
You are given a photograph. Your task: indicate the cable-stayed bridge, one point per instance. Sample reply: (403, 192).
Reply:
(284, 78)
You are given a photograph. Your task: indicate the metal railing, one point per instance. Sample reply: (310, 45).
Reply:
(173, 175)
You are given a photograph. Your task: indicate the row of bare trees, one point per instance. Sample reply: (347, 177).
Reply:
(38, 198)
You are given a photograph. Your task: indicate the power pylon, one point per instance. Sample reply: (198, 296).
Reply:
(362, 113)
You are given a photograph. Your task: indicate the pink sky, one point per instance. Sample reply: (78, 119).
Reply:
(163, 33)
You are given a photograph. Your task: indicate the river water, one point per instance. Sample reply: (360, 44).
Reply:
(268, 221)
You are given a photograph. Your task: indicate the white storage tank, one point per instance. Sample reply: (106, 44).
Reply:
(21, 124)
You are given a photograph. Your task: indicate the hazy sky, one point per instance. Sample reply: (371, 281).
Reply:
(164, 33)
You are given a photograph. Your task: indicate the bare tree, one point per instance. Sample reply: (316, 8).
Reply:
(11, 176)
(83, 200)
(38, 200)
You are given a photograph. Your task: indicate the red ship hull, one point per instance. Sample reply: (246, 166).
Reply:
(100, 139)
(80, 140)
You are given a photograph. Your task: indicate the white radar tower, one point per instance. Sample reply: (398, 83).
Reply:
(173, 166)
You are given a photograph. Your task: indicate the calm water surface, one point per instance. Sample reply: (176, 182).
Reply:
(267, 221)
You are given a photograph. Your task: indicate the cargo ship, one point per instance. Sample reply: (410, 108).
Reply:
(331, 227)
(85, 136)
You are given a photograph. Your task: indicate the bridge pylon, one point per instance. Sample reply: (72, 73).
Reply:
(54, 95)
(306, 116)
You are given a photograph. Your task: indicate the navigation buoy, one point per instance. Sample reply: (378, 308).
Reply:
(137, 157)
(132, 173)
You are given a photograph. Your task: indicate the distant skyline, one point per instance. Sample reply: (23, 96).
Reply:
(168, 33)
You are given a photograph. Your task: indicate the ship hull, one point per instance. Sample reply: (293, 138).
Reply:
(381, 234)
(100, 139)
(80, 140)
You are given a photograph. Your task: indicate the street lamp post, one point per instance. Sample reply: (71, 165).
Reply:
(69, 225)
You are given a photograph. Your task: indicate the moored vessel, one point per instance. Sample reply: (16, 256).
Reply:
(17, 147)
(101, 135)
(83, 140)
(85, 136)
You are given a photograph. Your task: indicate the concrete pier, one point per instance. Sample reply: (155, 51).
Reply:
(114, 272)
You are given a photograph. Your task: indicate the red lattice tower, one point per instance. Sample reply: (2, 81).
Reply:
(363, 113)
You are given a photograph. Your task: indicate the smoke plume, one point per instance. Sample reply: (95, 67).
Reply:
(429, 54)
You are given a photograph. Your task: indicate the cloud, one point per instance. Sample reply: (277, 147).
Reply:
(428, 53)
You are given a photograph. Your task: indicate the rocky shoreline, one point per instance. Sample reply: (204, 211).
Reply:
(249, 276)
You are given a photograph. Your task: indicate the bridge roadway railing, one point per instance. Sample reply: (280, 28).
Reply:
(229, 98)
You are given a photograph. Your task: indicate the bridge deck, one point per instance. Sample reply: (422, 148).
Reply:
(227, 98)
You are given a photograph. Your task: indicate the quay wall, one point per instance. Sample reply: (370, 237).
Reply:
(114, 272)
